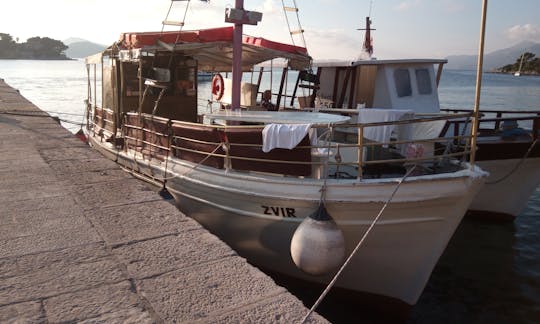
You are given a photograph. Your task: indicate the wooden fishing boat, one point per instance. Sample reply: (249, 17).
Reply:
(221, 169)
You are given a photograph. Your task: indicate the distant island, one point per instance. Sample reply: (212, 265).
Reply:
(493, 60)
(526, 64)
(81, 48)
(35, 48)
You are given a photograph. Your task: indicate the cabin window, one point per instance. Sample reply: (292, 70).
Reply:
(402, 80)
(423, 81)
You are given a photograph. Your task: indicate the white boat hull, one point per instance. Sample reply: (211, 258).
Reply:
(257, 216)
(508, 188)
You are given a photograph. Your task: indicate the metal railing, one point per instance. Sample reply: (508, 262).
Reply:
(142, 134)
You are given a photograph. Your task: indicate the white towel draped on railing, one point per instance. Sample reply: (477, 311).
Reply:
(283, 135)
(373, 115)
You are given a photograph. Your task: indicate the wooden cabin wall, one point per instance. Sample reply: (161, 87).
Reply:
(180, 99)
(327, 78)
(108, 93)
(365, 85)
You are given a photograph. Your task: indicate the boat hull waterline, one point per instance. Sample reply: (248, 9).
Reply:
(257, 216)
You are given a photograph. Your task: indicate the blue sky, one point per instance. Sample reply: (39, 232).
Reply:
(405, 28)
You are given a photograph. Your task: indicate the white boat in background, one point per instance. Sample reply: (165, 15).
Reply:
(223, 170)
(508, 149)
(510, 154)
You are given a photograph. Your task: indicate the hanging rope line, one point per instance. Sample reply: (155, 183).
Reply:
(336, 276)
(514, 169)
(36, 114)
(190, 168)
(300, 31)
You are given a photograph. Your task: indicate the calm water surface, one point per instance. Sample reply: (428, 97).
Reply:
(490, 272)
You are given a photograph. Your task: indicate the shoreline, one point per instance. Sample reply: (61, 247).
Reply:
(512, 73)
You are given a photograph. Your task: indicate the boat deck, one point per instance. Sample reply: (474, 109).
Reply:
(80, 239)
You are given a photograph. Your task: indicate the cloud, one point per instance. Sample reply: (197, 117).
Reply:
(453, 6)
(527, 32)
(332, 44)
(407, 5)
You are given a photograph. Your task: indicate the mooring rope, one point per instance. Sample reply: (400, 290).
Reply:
(336, 276)
(191, 168)
(514, 169)
(37, 114)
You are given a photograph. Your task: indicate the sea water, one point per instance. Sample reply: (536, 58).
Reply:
(490, 271)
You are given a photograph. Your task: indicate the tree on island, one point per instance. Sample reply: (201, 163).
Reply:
(35, 48)
(8, 47)
(530, 65)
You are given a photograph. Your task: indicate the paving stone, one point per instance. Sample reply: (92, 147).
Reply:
(38, 209)
(276, 309)
(45, 225)
(22, 165)
(114, 193)
(136, 222)
(56, 281)
(29, 312)
(44, 242)
(35, 177)
(25, 192)
(197, 292)
(131, 315)
(83, 165)
(71, 153)
(107, 302)
(160, 255)
(52, 260)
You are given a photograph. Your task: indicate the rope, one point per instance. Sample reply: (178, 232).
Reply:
(514, 169)
(44, 116)
(298, 20)
(331, 284)
(33, 112)
(191, 168)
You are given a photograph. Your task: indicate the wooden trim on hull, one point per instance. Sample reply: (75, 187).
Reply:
(505, 150)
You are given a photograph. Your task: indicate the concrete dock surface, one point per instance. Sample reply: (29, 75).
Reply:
(83, 241)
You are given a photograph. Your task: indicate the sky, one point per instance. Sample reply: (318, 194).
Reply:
(404, 28)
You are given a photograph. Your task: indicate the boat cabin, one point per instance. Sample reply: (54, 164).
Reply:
(156, 73)
(392, 84)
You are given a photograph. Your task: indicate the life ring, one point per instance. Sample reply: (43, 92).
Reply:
(218, 86)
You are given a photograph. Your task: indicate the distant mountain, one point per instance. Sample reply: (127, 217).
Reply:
(494, 59)
(80, 48)
(72, 40)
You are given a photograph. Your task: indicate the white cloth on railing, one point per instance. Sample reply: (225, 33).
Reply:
(375, 115)
(283, 135)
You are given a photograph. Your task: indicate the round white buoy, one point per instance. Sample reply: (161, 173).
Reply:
(318, 245)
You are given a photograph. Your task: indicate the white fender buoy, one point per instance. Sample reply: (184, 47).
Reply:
(318, 245)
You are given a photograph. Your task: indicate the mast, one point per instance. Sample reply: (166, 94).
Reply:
(367, 46)
(474, 130)
(238, 16)
(520, 65)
